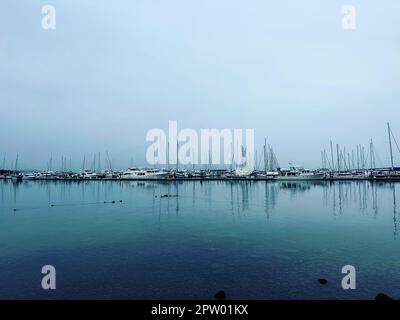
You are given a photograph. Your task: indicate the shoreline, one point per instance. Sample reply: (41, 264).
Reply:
(392, 179)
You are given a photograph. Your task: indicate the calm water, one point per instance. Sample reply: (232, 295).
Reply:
(261, 240)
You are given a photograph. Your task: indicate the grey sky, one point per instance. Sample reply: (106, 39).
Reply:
(112, 70)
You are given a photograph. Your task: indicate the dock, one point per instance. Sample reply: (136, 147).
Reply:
(210, 175)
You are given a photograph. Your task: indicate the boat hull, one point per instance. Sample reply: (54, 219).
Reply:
(317, 176)
(145, 177)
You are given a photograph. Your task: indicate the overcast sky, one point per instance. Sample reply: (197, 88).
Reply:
(112, 70)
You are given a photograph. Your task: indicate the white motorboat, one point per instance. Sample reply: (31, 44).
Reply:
(298, 173)
(44, 175)
(142, 174)
(88, 174)
(29, 176)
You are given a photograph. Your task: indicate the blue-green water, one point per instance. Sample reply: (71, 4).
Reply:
(254, 240)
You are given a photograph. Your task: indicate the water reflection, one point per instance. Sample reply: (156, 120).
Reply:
(238, 198)
(364, 195)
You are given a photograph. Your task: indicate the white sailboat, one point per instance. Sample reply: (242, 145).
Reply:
(247, 167)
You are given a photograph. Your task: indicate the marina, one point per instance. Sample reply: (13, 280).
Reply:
(355, 165)
(135, 174)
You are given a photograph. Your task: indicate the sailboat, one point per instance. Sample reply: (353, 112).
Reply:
(246, 169)
(16, 176)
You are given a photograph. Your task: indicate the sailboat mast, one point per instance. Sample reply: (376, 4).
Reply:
(326, 161)
(344, 158)
(265, 155)
(348, 161)
(4, 161)
(177, 160)
(338, 156)
(108, 160)
(371, 155)
(16, 163)
(390, 145)
(98, 163)
(363, 156)
(333, 162)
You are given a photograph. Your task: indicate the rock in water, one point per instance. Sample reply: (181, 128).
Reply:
(382, 296)
(220, 295)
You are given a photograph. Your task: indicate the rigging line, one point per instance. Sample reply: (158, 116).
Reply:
(365, 162)
(394, 139)
(329, 163)
(378, 157)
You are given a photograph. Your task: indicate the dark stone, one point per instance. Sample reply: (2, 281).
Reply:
(382, 296)
(322, 281)
(220, 295)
